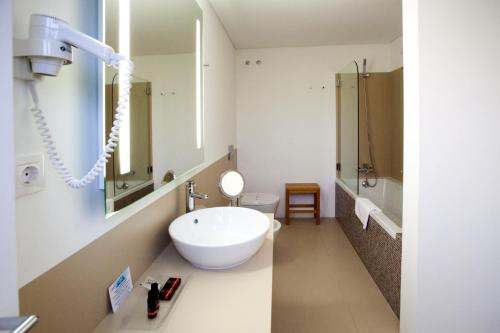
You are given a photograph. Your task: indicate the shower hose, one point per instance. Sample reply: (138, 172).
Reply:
(370, 152)
(125, 67)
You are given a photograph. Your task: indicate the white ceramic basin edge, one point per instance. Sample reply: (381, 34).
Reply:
(219, 237)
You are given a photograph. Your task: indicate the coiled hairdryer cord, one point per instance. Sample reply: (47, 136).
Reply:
(125, 68)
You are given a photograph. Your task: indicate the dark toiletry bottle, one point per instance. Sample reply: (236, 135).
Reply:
(152, 305)
(156, 293)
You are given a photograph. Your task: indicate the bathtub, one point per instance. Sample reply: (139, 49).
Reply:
(379, 245)
(387, 195)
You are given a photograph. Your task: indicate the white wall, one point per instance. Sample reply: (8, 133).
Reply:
(219, 109)
(411, 145)
(396, 53)
(8, 263)
(173, 88)
(58, 221)
(451, 251)
(286, 120)
(55, 223)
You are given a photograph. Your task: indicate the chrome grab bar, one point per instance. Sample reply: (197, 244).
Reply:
(18, 324)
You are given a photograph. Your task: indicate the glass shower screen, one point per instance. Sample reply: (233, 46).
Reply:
(347, 128)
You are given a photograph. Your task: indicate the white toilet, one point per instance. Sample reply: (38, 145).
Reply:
(263, 202)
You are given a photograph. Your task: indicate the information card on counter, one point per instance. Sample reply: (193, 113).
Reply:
(120, 289)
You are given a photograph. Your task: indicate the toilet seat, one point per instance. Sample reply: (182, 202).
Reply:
(258, 199)
(263, 202)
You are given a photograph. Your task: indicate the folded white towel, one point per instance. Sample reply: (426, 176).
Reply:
(363, 208)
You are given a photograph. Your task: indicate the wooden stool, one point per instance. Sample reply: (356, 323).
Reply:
(302, 188)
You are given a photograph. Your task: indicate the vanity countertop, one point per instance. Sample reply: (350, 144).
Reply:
(233, 300)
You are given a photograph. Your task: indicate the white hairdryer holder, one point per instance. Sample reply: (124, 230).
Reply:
(45, 56)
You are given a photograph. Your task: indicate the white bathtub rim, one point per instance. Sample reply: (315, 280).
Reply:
(346, 188)
(383, 220)
(387, 224)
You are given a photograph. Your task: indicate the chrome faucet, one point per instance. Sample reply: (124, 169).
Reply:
(191, 195)
(366, 168)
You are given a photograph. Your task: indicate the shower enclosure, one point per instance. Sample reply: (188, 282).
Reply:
(369, 156)
(370, 135)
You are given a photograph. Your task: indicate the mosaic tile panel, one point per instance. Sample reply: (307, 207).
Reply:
(380, 253)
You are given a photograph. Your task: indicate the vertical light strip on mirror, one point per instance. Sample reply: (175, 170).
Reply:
(198, 85)
(102, 94)
(124, 49)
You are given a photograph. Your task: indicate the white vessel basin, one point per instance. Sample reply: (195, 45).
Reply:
(220, 237)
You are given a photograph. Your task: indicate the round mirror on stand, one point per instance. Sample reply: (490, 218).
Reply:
(231, 184)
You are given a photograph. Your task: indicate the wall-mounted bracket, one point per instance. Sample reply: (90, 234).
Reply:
(22, 70)
(44, 56)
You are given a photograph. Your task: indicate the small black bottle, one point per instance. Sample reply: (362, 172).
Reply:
(153, 305)
(156, 293)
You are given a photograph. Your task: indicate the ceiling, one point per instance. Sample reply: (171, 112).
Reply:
(282, 23)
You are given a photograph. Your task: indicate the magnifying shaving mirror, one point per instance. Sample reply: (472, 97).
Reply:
(231, 184)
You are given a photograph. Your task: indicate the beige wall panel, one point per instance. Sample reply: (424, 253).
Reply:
(379, 105)
(385, 110)
(72, 296)
(396, 78)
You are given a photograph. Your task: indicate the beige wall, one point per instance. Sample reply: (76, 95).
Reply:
(72, 296)
(378, 113)
(396, 118)
(385, 110)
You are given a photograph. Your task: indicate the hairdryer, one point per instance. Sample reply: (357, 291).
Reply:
(50, 43)
(48, 47)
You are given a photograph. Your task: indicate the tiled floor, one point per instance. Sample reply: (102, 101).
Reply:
(320, 285)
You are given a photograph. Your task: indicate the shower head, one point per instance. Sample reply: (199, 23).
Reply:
(364, 74)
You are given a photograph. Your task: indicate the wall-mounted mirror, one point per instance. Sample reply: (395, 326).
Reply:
(162, 133)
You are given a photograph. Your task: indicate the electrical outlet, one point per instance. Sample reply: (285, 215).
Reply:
(30, 174)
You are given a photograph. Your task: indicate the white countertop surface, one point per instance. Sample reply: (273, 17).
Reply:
(234, 300)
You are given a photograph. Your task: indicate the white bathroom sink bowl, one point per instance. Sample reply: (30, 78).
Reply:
(220, 237)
